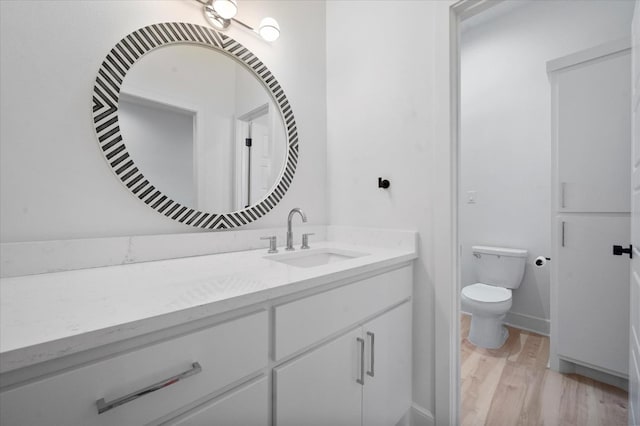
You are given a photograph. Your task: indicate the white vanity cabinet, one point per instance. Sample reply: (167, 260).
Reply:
(363, 376)
(336, 353)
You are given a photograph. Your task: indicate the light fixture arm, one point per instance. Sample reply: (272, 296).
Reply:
(269, 30)
(243, 24)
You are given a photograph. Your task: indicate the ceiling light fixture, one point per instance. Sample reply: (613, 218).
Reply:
(220, 13)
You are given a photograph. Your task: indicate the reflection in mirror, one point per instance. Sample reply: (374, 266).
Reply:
(202, 128)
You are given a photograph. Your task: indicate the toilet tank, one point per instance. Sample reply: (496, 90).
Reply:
(499, 266)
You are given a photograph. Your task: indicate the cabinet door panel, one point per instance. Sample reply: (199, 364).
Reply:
(319, 388)
(387, 395)
(593, 292)
(247, 406)
(594, 133)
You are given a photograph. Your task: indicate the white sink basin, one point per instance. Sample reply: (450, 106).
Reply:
(315, 257)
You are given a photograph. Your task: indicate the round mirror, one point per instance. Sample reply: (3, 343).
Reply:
(195, 125)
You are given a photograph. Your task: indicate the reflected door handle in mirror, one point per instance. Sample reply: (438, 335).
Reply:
(272, 243)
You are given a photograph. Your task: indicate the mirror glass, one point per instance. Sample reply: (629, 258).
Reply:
(202, 128)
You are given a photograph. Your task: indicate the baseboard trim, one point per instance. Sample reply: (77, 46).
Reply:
(420, 416)
(528, 323)
(525, 322)
(569, 367)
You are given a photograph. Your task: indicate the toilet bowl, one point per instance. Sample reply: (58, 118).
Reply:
(499, 271)
(488, 306)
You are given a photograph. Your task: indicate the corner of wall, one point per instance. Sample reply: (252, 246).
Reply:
(420, 416)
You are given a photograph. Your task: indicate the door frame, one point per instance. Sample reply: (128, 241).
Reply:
(447, 272)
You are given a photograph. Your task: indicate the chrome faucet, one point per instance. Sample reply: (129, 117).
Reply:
(289, 231)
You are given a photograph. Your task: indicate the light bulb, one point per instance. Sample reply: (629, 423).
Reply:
(269, 29)
(227, 9)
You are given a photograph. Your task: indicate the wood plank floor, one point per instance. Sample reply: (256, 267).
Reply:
(512, 386)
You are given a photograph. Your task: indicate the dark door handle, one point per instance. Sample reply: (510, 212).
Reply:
(619, 251)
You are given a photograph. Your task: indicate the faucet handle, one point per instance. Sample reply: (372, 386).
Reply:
(305, 240)
(272, 243)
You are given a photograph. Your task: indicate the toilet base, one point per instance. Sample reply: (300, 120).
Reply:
(487, 332)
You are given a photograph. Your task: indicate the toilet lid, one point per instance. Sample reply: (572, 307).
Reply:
(486, 293)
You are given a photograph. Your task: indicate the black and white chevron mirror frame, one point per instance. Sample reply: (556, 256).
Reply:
(105, 118)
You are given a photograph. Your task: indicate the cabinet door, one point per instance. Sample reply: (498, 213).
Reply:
(593, 292)
(594, 132)
(387, 387)
(246, 406)
(319, 388)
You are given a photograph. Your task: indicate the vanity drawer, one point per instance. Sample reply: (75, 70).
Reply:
(303, 322)
(226, 353)
(246, 406)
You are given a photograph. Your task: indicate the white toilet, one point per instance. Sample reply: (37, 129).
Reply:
(499, 271)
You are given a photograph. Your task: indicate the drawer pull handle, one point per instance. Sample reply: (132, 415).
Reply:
(372, 336)
(360, 380)
(106, 406)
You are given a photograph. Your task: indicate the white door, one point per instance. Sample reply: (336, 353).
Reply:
(634, 335)
(593, 293)
(387, 387)
(320, 388)
(261, 164)
(593, 134)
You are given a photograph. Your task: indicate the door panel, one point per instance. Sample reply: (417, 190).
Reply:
(593, 323)
(319, 388)
(593, 133)
(387, 394)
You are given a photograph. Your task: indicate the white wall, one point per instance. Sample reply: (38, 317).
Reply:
(506, 133)
(54, 182)
(388, 102)
(380, 121)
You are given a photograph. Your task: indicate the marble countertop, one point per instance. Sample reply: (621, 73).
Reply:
(46, 316)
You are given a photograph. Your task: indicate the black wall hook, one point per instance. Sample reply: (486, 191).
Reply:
(383, 183)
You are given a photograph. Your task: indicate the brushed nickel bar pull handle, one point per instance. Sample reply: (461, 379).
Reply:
(563, 187)
(360, 380)
(372, 336)
(563, 222)
(106, 406)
